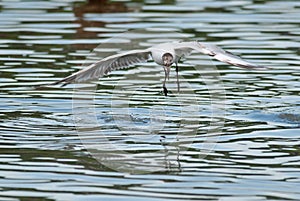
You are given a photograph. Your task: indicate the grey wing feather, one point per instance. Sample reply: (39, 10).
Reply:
(106, 65)
(216, 52)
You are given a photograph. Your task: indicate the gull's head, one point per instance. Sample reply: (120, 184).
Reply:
(167, 59)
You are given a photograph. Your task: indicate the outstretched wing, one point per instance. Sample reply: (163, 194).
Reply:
(106, 65)
(185, 48)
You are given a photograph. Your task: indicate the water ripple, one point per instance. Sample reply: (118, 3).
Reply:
(123, 139)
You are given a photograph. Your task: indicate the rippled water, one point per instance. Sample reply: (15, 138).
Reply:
(229, 134)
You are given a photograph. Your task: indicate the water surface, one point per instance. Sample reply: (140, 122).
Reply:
(229, 134)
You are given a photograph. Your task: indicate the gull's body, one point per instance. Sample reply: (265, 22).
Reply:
(164, 54)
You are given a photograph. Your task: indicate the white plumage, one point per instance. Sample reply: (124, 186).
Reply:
(164, 54)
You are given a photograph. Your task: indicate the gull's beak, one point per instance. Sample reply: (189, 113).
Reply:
(167, 64)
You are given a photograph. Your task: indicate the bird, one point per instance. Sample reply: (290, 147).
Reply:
(164, 54)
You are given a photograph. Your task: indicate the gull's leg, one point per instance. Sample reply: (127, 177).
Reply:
(164, 83)
(168, 72)
(178, 85)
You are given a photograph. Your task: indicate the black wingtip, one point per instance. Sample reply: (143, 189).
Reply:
(64, 82)
(264, 67)
(41, 86)
(258, 67)
(251, 66)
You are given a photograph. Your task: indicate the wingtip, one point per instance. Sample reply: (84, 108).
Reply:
(42, 86)
(259, 67)
(65, 81)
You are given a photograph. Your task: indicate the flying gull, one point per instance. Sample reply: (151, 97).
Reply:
(164, 54)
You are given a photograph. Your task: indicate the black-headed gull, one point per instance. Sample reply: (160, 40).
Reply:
(164, 54)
